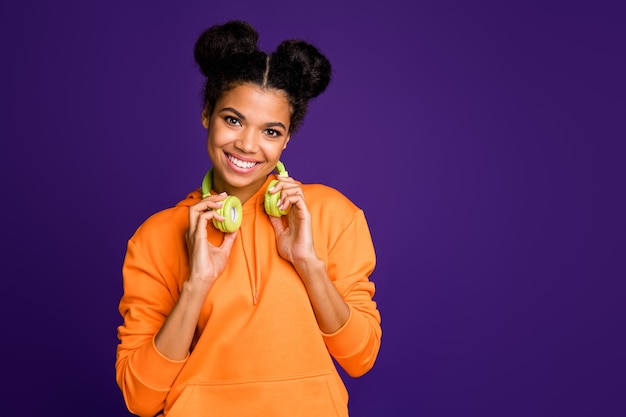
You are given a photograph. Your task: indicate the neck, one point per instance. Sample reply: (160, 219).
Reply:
(242, 193)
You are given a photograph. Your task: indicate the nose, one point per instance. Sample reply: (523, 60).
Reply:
(247, 141)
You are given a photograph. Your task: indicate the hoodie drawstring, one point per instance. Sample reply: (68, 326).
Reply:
(251, 254)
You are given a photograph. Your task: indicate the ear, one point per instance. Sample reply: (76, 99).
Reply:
(286, 142)
(205, 117)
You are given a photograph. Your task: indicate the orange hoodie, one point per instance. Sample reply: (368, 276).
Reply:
(258, 349)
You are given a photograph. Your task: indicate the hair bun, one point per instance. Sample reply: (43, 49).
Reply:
(222, 41)
(315, 69)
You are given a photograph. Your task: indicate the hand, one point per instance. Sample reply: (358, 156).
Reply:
(295, 240)
(206, 261)
(295, 243)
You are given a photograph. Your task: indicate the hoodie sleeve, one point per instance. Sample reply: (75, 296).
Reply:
(142, 373)
(351, 260)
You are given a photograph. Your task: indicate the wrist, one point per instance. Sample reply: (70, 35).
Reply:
(195, 286)
(310, 266)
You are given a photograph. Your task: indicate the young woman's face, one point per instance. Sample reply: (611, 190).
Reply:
(247, 132)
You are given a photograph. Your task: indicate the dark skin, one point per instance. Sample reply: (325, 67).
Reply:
(247, 132)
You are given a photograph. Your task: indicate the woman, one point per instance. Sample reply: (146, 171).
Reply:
(220, 320)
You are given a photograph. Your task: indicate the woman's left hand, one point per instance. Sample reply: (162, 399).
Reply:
(295, 240)
(295, 244)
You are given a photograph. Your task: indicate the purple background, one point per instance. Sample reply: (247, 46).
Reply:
(484, 142)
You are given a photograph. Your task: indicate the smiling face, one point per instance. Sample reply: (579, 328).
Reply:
(247, 132)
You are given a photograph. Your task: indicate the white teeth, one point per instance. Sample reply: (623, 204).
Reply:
(241, 164)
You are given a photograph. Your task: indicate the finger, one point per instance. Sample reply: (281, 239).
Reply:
(284, 178)
(208, 204)
(202, 221)
(283, 183)
(287, 190)
(198, 228)
(290, 197)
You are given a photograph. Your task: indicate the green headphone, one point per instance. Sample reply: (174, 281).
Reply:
(232, 210)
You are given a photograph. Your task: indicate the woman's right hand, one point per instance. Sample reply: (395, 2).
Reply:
(206, 261)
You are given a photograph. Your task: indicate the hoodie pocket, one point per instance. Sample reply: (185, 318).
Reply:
(314, 396)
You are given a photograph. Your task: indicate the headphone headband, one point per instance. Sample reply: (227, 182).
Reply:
(280, 167)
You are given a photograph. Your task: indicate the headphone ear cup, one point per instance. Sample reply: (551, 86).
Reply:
(232, 212)
(271, 201)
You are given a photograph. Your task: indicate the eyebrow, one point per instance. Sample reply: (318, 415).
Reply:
(242, 117)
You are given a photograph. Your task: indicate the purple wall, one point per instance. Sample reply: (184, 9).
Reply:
(485, 143)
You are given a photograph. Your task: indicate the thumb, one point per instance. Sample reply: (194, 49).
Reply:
(229, 239)
(277, 224)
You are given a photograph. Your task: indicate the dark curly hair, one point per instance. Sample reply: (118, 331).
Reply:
(228, 56)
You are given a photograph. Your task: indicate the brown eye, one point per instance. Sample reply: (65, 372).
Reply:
(232, 120)
(273, 133)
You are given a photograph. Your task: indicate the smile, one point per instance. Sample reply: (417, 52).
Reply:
(241, 164)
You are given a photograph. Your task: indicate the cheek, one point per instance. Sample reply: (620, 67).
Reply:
(275, 150)
(213, 144)
(218, 137)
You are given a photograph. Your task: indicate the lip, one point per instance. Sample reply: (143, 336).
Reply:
(239, 169)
